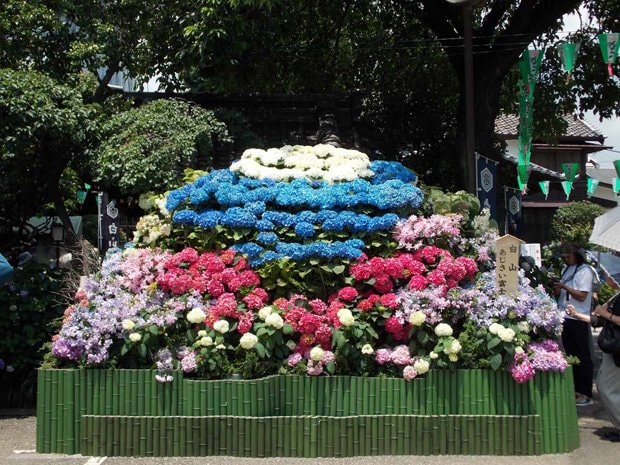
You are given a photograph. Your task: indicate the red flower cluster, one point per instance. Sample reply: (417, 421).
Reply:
(311, 319)
(427, 266)
(223, 276)
(213, 273)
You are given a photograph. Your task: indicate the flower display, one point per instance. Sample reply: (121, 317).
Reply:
(401, 293)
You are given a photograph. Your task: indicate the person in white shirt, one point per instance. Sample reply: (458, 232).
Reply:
(575, 288)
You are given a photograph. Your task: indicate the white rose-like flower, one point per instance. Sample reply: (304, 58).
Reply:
(345, 317)
(196, 315)
(274, 320)
(417, 318)
(443, 329)
(264, 312)
(128, 325)
(455, 348)
(506, 334)
(248, 341)
(221, 326)
(421, 366)
(202, 333)
(317, 354)
(519, 350)
(206, 341)
(135, 337)
(495, 328)
(524, 326)
(453, 357)
(367, 349)
(434, 355)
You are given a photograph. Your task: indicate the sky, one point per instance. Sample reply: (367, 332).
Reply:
(610, 128)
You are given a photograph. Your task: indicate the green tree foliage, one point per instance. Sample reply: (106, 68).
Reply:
(45, 129)
(147, 148)
(573, 222)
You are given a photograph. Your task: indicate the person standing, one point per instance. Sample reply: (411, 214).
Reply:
(575, 288)
(608, 378)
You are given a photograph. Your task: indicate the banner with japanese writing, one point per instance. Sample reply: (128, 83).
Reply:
(108, 223)
(514, 216)
(486, 172)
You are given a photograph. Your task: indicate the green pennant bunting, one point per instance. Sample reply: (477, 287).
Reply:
(568, 187)
(617, 166)
(615, 185)
(609, 43)
(544, 187)
(87, 186)
(570, 170)
(522, 185)
(568, 52)
(529, 66)
(523, 172)
(592, 185)
(81, 196)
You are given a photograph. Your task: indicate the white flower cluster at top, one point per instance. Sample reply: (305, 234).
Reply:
(319, 162)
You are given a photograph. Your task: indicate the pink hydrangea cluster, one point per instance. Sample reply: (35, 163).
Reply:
(521, 368)
(417, 231)
(140, 268)
(399, 355)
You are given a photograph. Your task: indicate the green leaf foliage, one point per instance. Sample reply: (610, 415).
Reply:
(574, 221)
(149, 147)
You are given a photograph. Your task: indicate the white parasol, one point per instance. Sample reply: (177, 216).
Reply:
(606, 230)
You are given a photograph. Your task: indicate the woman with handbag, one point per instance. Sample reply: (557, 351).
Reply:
(608, 379)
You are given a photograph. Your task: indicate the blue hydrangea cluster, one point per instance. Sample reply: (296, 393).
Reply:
(287, 217)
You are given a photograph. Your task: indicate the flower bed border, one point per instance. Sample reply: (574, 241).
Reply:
(127, 413)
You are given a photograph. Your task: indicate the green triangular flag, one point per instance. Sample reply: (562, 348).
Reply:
(522, 185)
(568, 52)
(570, 170)
(87, 186)
(617, 166)
(544, 187)
(529, 66)
(592, 185)
(615, 185)
(567, 186)
(523, 172)
(610, 43)
(81, 196)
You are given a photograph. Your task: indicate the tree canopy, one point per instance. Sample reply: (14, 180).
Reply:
(145, 149)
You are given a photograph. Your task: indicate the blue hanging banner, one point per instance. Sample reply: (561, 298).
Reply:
(486, 181)
(514, 212)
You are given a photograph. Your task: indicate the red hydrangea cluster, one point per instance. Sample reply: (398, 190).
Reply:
(223, 276)
(311, 319)
(213, 273)
(428, 266)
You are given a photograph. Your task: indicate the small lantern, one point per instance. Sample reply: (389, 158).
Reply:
(58, 232)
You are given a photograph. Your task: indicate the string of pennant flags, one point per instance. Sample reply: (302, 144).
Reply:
(529, 69)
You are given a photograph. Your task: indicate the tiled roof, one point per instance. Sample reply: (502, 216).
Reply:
(535, 167)
(506, 125)
(603, 175)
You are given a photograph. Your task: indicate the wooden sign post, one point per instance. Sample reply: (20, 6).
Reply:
(507, 264)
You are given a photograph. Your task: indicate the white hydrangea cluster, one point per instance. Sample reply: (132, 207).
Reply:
(320, 162)
(505, 334)
(150, 228)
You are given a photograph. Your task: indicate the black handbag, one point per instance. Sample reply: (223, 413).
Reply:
(609, 337)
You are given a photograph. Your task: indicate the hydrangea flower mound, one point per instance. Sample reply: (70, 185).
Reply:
(319, 274)
(300, 217)
(320, 162)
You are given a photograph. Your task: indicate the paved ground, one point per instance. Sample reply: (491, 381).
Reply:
(17, 443)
